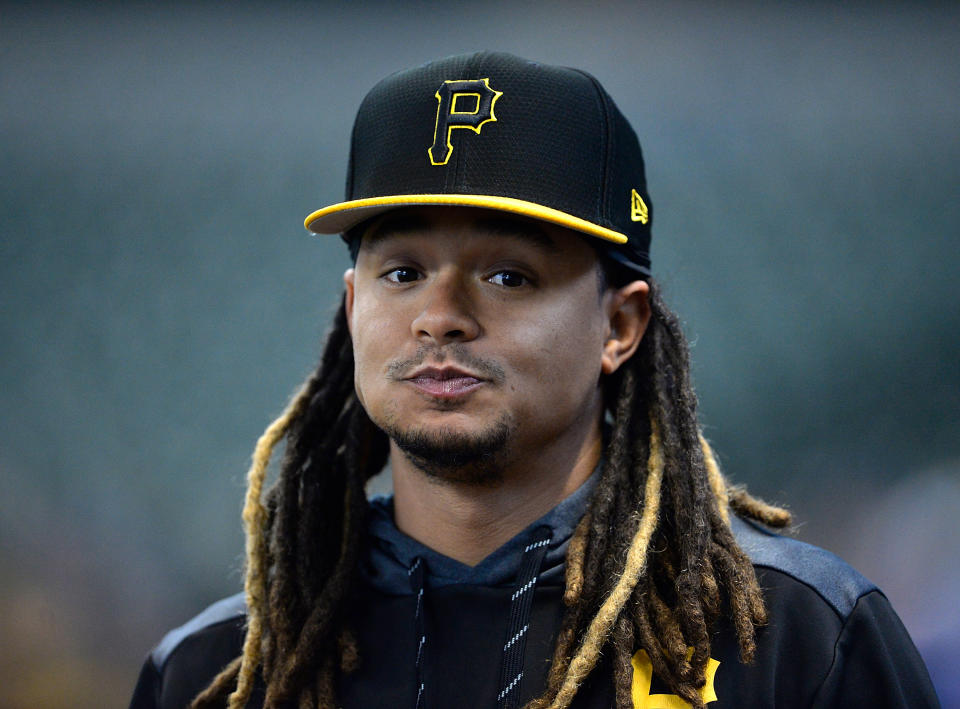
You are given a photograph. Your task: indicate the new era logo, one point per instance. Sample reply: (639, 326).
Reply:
(638, 208)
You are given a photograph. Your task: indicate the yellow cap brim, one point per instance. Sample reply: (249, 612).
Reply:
(337, 218)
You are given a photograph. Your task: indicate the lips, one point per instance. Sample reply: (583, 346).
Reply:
(444, 382)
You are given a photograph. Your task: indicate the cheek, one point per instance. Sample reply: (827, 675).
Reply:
(560, 351)
(372, 325)
(371, 345)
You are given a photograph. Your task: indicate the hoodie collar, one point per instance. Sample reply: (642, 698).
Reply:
(390, 553)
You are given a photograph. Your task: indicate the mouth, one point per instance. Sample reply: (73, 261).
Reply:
(444, 382)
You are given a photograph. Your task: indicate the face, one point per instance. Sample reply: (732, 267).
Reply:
(477, 336)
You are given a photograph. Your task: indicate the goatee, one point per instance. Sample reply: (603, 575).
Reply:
(451, 456)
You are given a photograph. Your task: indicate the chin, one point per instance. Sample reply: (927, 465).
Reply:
(452, 455)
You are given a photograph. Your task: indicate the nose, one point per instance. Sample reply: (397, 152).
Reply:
(447, 315)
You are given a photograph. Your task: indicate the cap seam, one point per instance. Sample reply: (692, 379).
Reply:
(603, 196)
(454, 176)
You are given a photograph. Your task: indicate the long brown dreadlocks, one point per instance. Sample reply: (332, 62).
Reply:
(652, 565)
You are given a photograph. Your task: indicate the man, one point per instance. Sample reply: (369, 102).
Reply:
(559, 533)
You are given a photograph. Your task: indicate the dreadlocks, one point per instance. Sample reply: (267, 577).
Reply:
(652, 565)
(662, 500)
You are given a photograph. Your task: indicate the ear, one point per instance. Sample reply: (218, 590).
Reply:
(628, 314)
(348, 284)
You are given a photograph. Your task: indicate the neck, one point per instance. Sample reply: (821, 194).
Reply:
(468, 521)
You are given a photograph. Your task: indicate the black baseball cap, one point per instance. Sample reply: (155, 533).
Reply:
(499, 132)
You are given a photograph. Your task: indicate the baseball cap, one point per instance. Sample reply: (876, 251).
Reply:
(496, 131)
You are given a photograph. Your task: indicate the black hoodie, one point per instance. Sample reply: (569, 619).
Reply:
(832, 639)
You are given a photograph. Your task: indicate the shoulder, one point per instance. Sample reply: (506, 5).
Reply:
(225, 614)
(835, 630)
(832, 579)
(189, 657)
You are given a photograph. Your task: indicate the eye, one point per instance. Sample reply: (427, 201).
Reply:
(509, 279)
(402, 275)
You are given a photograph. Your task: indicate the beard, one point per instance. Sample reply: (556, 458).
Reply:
(451, 456)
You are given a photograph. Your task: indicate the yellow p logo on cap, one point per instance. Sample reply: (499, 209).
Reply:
(461, 103)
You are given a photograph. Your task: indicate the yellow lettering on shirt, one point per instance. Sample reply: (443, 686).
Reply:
(643, 678)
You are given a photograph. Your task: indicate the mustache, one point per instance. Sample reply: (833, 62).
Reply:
(455, 354)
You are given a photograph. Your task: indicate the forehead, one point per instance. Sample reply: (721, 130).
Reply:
(489, 225)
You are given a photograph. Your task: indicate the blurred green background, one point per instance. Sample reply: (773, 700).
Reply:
(159, 298)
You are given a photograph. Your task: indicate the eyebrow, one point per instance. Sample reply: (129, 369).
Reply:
(393, 225)
(401, 225)
(523, 230)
